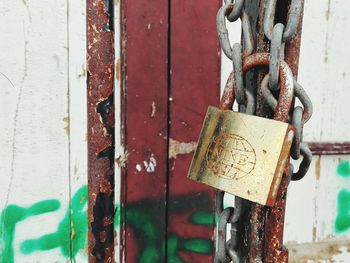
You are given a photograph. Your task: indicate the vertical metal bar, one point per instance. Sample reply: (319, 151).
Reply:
(274, 250)
(252, 219)
(251, 229)
(100, 64)
(264, 243)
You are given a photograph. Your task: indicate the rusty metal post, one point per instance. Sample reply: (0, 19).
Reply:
(274, 250)
(100, 69)
(263, 234)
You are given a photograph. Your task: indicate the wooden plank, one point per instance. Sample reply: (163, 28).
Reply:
(34, 171)
(77, 128)
(195, 84)
(144, 75)
(324, 70)
(318, 214)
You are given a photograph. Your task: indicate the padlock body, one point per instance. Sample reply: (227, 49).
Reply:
(242, 154)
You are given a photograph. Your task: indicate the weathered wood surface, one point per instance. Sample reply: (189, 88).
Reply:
(144, 70)
(194, 85)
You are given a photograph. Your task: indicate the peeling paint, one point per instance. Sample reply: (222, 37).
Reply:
(318, 168)
(122, 159)
(138, 167)
(151, 165)
(153, 111)
(66, 121)
(316, 252)
(117, 70)
(83, 71)
(178, 148)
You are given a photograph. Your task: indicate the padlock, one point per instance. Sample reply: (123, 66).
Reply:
(242, 154)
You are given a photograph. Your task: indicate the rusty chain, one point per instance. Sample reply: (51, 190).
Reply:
(278, 34)
(226, 251)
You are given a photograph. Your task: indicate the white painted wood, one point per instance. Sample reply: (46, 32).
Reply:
(78, 123)
(312, 202)
(324, 69)
(34, 156)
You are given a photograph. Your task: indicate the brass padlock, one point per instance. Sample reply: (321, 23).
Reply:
(242, 154)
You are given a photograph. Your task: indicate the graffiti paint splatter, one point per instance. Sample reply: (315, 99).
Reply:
(14, 214)
(343, 169)
(71, 234)
(60, 238)
(342, 221)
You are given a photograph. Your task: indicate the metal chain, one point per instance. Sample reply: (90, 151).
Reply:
(292, 23)
(278, 34)
(227, 250)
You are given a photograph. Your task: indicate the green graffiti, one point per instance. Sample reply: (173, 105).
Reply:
(13, 214)
(342, 221)
(73, 226)
(203, 218)
(71, 234)
(343, 169)
(143, 221)
(195, 245)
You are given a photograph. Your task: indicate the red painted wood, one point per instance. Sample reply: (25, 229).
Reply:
(195, 79)
(144, 74)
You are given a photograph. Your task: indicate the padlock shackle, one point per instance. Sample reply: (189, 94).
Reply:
(285, 98)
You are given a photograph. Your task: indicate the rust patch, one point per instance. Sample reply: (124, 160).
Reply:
(122, 159)
(271, 235)
(100, 100)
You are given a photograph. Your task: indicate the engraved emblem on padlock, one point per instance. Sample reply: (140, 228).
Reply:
(242, 154)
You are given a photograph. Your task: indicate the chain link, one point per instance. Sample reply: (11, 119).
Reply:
(237, 10)
(276, 55)
(278, 34)
(227, 250)
(223, 35)
(292, 23)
